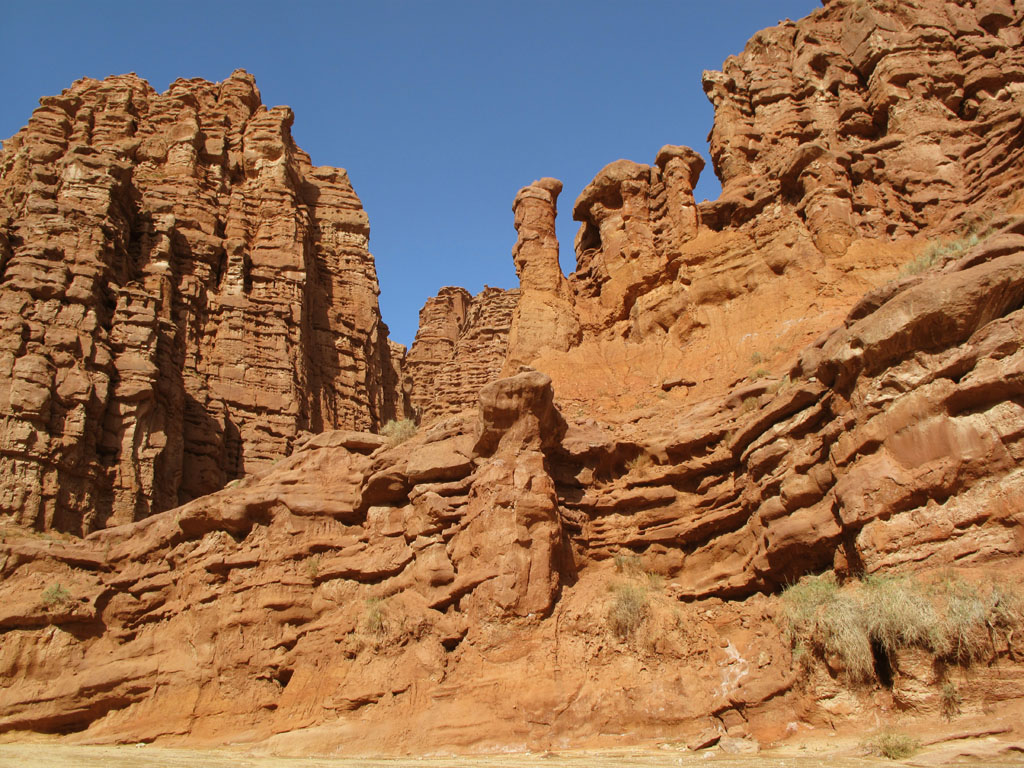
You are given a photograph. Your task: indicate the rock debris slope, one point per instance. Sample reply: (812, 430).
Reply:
(183, 293)
(617, 472)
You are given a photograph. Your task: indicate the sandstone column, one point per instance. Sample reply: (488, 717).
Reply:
(545, 316)
(680, 169)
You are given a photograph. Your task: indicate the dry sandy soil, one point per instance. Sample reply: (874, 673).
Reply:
(833, 752)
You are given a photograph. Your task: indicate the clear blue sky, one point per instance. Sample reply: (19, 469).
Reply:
(439, 110)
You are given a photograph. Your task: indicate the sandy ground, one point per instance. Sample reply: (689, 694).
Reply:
(835, 754)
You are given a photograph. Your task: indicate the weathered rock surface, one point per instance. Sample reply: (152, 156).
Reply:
(544, 317)
(182, 293)
(461, 587)
(879, 118)
(722, 398)
(460, 346)
(837, 138)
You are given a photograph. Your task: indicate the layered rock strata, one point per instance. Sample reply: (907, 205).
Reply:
(894, 443)
(460, 346)
(385, 597)
(837, 138)
(182, 292)
(878, 118)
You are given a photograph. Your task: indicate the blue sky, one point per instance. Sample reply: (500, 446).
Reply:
(439, 110)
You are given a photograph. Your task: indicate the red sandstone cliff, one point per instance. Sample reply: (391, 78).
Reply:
(837, 138)
(182, 293)
(727, 396)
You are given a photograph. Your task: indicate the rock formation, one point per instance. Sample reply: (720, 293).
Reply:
(617, 473)
(836, 139)
(182, 293)
(880, 118)
(460, 346)
(371, 592)
(544, 316)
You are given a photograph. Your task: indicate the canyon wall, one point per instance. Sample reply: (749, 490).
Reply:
(841, 140)
(617, 473)
(460, 346)
(455, 590)
(182, 293)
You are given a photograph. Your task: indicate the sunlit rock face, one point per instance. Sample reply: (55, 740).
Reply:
(617, 474)
(182, 294)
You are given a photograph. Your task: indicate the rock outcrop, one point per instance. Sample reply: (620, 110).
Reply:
(509, 567)
(724, 398)
(182, 293)
(544, 316)
(460, 346)
(879, 118)
(838, 139)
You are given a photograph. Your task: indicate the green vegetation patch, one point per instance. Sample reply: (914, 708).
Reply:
(55, 596)
(398, 431)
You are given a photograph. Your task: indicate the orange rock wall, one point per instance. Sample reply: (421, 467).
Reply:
(878, 118)
(460, 346)
(182, 292)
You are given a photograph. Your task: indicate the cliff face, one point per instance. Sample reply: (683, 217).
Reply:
(506, 565)
(838, 139)
(877, 118)
(460, 346)
(820, 372)
(182, 292)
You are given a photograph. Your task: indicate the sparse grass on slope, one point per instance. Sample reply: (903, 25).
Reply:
(878, 616)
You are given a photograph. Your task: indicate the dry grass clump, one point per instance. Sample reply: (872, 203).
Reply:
(899, 616)
(398, 431)
(943, 249)
(628, 609)
(375, 621)
(639, 463)
(55, 596)
(877, 616)
(627, 563)
(895, 746)
(951, 700)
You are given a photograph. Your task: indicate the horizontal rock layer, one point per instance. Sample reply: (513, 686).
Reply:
(372, 592)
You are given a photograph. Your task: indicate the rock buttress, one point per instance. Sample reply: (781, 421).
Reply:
(880, 118)
(182, 292)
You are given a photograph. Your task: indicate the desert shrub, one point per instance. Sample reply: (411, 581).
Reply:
(627, 563)
(398, 431)
(375, 620)
(881, 615)
(951, 700)
(55, 596)
(639, 463)
(964, 622)
(899, 615)
(627, 610)
(1005, 607)
(895, 746)
(940, 250)
(312, 567)
(759, 373)
(803, 599)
